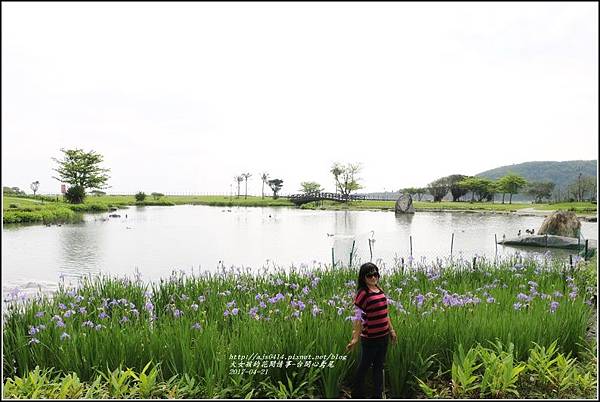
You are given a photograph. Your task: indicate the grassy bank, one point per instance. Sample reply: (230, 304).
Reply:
(581, 208)
(419, 206)
(48, 210)
(199, 325)
(24, 210)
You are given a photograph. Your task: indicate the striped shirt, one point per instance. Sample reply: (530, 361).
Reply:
(375, 321)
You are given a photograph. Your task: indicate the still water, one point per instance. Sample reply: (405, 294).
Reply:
(157, 240)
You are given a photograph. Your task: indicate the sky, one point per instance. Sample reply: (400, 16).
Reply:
(180, 98)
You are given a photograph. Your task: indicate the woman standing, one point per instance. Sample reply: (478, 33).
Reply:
(373, 327)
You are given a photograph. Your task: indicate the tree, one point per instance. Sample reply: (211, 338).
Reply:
(438, 188)
(246, 176)
(310, 187)
(264, 177)
(345, 178)
(238, 179)
(35, 186)
(97, 193)
(479, 186)
(540, 190)
(140, 197)
(276, 185)
(511, 184)
(12, 191)
(581, 186)
(409, 190)
(469, 184)
(455, 189)
(156, 196)
(420, 192)
(81, 169)
(491, 191)
(336, 170)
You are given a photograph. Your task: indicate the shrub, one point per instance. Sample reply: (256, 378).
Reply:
(141, 196)
(75, 195)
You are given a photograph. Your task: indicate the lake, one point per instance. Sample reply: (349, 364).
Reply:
(157, 240)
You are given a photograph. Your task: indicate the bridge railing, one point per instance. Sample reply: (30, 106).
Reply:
(332, 196)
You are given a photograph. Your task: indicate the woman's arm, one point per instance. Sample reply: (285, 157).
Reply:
(392, 331)
(356, 331)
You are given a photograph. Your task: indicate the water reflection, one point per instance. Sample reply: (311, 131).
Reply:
(404, 219)
(344, 222)
(81, 250)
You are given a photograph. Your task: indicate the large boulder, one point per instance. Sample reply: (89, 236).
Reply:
(561, 223)
(404, 204)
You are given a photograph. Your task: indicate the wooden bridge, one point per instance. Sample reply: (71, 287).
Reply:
(299, 199)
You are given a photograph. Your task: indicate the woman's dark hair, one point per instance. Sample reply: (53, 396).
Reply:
(366, 268)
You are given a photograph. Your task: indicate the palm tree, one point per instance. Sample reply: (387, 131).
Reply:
(265, 178)
(238, 179)
(246, 176)
(337, 169)
(36, 184)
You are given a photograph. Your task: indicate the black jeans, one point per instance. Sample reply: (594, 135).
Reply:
(372, 352)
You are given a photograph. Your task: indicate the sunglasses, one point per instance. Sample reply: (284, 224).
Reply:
(372, 274)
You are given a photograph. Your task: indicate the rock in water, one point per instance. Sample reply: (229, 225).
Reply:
(404, 204)
(561, 223)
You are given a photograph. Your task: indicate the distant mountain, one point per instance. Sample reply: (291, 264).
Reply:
(560, 173)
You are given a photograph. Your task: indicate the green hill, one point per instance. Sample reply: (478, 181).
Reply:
(560, 173)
